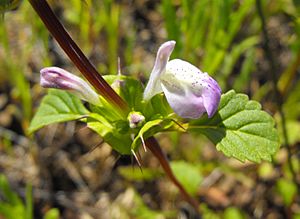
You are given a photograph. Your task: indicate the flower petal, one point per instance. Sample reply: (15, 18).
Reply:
(211, 94)
(190, 92)
(184, 104)
(54, 77)
(153, 87)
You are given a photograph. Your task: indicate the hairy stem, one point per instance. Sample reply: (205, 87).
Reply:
(154, 147)
(76, 55)
(278, 96)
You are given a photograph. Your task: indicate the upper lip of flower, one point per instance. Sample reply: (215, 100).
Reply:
(189, 92)
(163, 54)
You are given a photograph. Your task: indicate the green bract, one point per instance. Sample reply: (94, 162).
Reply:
(239, 128)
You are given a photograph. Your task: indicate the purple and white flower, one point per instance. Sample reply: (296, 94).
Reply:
(54, 77)
(188, 90)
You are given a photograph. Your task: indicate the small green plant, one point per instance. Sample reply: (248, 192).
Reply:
(13, 207)
(126, 116)
(238, 126)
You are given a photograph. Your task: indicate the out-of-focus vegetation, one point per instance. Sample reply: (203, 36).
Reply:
(221, 37)
(12, 207)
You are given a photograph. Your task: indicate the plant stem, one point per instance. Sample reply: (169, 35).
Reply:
(156, 150)
(76, 55)
(278, 96)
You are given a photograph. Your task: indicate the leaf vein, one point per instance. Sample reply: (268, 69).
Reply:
(51, 106)
(249, 133)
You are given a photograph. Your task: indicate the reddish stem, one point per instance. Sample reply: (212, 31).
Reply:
(76, 55)
(154, 147)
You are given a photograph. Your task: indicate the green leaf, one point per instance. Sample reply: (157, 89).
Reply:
(12, 211)
(57, 106)
(120, 142)
(11, 206)
(188, 175)
(149, 129)
(240, 129)
(9, 195)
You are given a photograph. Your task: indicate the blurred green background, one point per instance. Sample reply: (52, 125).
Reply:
(56, 174)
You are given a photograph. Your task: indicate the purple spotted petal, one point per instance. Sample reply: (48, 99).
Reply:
(54, 77)
(190, 92)
(186, 105)
(163, 54)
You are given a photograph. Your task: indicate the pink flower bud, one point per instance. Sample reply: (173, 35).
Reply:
(136, 119)
(54, 77)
